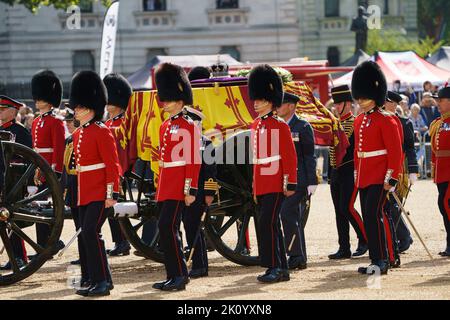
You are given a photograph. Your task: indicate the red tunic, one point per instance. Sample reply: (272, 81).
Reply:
(49, 139)
(113, 124)
(274, 156)
(179, 158)
(97, 163)
(440, 156)
(378, 148)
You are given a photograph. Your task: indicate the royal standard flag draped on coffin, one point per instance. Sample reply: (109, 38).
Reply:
(227, 109)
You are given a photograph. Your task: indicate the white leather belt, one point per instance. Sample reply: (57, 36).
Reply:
(92, 167)
(267, 160)
(43, 150)
(371, 154)
(171, 164)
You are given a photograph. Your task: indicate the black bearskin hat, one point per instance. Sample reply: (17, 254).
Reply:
(264, 83)
(173, 84)
(119, 90)
(369, 82)
(89, 91)
(198, 73)
(46, 86)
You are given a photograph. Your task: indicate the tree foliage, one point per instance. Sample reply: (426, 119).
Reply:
(394, 40)
(33, 5)
(433, 19)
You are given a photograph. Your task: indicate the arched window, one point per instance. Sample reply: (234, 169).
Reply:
(85, 6)
(227, 4)
(333, 56)
(83, 60)
(155, 5)
(331, 8)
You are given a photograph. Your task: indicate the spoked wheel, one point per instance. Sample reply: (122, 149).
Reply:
(19, 211)
(142, 229)
(231, 225)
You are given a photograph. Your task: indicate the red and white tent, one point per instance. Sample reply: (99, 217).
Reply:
(407, 67)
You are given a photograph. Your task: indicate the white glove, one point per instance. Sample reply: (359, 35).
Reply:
(311, 190)
(412, 178)
(32, 190)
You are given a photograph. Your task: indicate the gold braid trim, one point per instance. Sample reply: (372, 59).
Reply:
(68, 154)
(211, 185)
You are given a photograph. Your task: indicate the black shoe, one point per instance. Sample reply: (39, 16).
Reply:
(121, 249)
(7, 266)
(138, 253)
(272, 275)
(395, 264)
(85, 286)
(57, 247)
(198, 273)
(285, 275)
(100, 289)
(381, 265)
(296, 262)
(160, 285)
(75, 262)
(361, 250)
(176, 284)
(445, 253)
(403, 246)
(340, 255)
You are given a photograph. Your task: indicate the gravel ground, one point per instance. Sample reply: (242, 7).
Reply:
(418, 278)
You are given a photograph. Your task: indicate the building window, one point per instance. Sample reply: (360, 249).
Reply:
(331, 8)
(155, 5)
(83, 60)
(232, 51)
(85, 6)
(333, 56)
(227, 4)
(386, 7)
(153, 52)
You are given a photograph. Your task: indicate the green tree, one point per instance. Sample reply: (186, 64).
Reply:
(33, 5)
(394, 40)
(433, 19)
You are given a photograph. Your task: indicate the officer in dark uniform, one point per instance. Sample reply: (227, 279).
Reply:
(293, 208)
(342, 181)
(8, 113)
(378, 158)
(411, 170)
(207, 189)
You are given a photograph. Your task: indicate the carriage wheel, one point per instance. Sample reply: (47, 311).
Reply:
(138, 190)
(231, 224)
(19, 211)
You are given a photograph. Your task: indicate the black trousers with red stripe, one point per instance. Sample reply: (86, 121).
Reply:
(272, 251)
(170, 215)
(372, 202)
(444, 206)
(389, 228)
(93, 257)
(343, 193)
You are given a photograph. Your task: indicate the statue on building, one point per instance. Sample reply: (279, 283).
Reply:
(359, 25)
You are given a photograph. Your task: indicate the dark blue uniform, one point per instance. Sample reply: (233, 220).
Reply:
(293, 208)
(207, 186)
(22, 136)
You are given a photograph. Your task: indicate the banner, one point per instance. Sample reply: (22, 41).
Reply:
(109, 39)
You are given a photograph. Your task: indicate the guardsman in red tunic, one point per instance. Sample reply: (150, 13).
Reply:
(98, 173)
(8, 113)
(274, 169)
(119, 93)
(378, 158)
(440, 138)
(48, 134)
(179, 169)
(342, 181)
